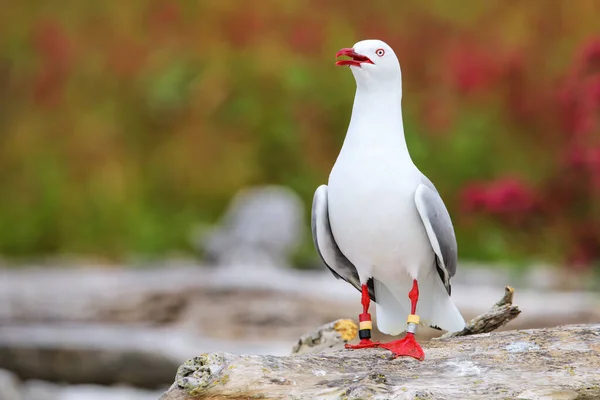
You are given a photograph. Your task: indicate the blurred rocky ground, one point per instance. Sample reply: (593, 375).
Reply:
(100, 325)
(11, 388)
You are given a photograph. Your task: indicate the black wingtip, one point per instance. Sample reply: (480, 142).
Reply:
(371, 286)
(443, 275)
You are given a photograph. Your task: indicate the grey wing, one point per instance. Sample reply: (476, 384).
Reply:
(326, 246)
(440, 231)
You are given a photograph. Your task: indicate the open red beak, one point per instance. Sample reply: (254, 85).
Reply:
(355, 58)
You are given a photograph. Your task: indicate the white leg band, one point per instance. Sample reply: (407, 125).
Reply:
(412, 328)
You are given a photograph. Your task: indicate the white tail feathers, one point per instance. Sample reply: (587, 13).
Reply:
(390, 313)
(435, 306)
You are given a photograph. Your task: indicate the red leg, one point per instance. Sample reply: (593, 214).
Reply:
(413, 295)
(365, 324)
(408, 346)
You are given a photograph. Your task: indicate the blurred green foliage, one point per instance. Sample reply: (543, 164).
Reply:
(124, 124)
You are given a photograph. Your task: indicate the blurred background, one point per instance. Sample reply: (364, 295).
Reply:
(158, 161)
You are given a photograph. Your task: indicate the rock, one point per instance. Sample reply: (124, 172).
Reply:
(262, 226)
(39, 390)
(10, 388)
(109, 354)
(91, 354)
(266, 305)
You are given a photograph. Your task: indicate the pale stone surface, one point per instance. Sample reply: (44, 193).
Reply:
(39, 390)
(262, 226)
(177, 294)
(139, 356)
(10, 387)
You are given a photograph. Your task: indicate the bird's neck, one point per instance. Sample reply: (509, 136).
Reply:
(377, 119)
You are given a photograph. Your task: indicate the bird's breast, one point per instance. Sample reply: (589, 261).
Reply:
(373, 215)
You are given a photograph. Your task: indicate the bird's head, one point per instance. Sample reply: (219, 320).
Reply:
(373, 63)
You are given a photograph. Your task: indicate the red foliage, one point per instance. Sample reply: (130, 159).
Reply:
(164, 17)
(592, 90)
(127, 58)
(48, 88)
(243, 26)
(306, 36)
(471, 69)
(503, 197)
(590, 56)
(55, 53)
(575, 157)
(438, 115)
(586, 245)
(574, 113)
(518, 96)
(567, 195)
(579, 96)
(53, 46)
(474, 197)
(590, 166)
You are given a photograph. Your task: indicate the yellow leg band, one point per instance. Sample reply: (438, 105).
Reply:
(413, 318)
(366, 325)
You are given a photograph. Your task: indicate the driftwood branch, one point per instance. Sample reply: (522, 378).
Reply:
(529, 364)
(499, 315)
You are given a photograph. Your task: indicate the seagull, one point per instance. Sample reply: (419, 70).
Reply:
(380, 224)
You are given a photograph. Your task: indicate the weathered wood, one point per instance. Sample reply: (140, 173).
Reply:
(499, 315)
(328, 337)
(559, 363)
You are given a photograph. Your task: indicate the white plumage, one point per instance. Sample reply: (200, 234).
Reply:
(379, 217)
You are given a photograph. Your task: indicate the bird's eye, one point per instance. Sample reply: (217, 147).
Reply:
(380, 52)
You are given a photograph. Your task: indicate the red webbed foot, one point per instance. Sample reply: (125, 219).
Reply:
(407, 346)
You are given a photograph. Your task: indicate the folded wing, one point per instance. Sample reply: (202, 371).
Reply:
(440, 231)
(326, 245)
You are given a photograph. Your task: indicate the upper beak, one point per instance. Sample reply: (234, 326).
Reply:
(356, 59)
